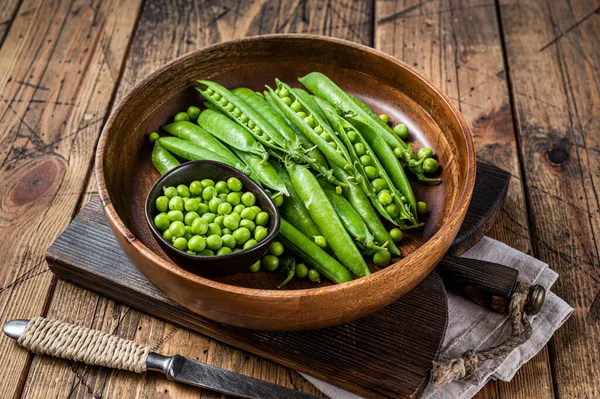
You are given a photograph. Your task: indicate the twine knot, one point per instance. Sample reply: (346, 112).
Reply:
(465, 366)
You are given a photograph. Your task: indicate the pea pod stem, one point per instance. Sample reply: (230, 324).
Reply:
(312, 254)
(288, 264)
(323, 214)
(162, 160)
(231, 133)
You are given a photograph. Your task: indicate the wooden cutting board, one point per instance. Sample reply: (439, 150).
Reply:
(386, 354)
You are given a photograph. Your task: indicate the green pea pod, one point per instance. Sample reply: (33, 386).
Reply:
(308, 99)
(326, 219)
(297, 145)
(293, 208)
(195, 134)
(231, 133)
(404, 155)
(264, 170)
(359, 201)
(389, 161)
(320, 163)
(314, 153)
(312, 254)
(239, 111)
(162, 160)
(321, 86)
(190, 151)
(344, 129)
(330, 152)
(313, 111)
(371, 113)
(336, 122)
(353, 223)
(261, 105)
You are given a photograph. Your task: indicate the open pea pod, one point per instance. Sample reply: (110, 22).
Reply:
(389, 164)
(298, 147)
(311, 125)
(353, 223)
(393, 208)
(238, 110)
(318, 162)
(364, 207)
(321, 86)
(258, 103)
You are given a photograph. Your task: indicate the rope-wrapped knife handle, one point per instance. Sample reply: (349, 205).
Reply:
(93, 347)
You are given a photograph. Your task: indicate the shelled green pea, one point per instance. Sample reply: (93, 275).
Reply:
(208, 218)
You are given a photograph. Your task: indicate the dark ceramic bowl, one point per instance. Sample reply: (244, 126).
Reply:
(222, 265)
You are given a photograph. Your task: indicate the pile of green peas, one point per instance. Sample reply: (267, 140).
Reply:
(210, 218)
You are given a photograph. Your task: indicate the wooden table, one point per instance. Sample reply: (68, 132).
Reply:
(525, 74)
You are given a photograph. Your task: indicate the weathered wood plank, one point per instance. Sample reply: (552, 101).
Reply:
(57, 73)
(457, 44)
(7, 15)
(553, 52)
(166, 30)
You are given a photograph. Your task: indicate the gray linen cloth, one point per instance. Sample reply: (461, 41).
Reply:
(471, 326)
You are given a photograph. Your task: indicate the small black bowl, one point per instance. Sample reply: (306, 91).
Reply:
(212, 265)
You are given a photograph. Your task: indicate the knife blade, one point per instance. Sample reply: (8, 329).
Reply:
(177, 368)
(183, 369)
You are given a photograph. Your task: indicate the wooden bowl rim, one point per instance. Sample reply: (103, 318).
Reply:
(115, 220)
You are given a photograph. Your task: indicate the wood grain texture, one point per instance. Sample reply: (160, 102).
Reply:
(553, 52)
(59, 63)
(168, 29)
(336, 354)
(457, 43)
(7, 15)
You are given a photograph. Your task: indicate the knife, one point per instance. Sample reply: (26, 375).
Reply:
(97, 348)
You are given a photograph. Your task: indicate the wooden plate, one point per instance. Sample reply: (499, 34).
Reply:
(125, 174)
